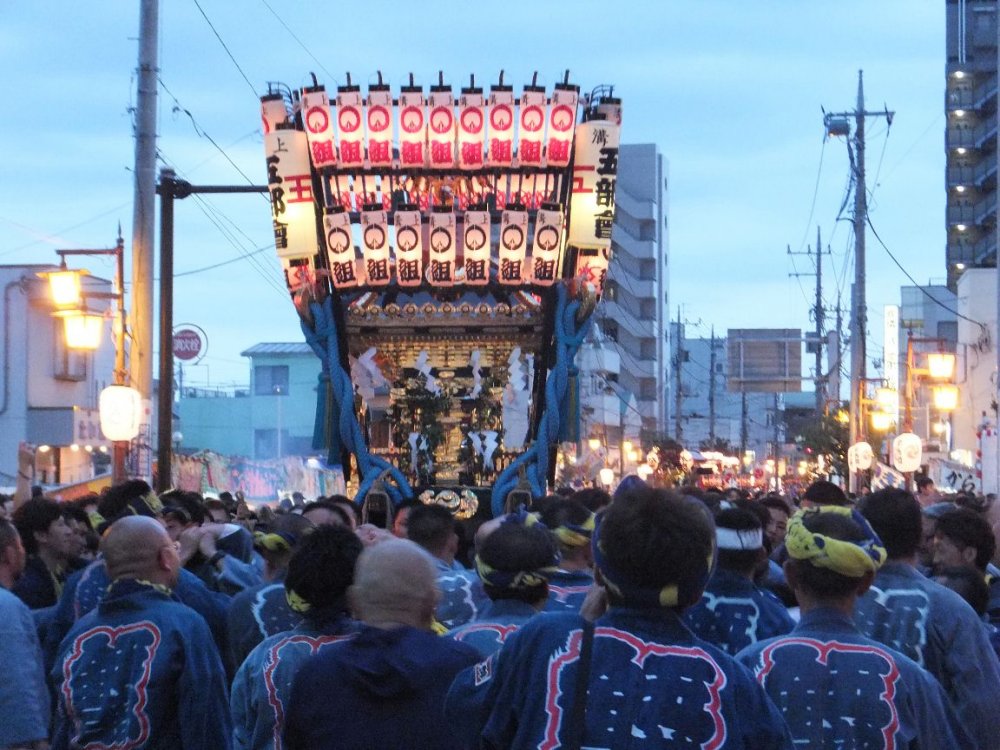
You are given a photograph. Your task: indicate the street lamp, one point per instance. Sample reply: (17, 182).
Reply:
(120, 405)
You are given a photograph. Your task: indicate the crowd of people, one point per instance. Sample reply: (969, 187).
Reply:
(652, 618)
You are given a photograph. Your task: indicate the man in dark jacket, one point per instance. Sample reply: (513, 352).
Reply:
(387, 684)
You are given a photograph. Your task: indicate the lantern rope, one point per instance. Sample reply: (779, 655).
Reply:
(335, 417)
(569, 333)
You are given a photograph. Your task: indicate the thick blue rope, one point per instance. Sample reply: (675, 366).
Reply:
(344, 428)
(569, 334)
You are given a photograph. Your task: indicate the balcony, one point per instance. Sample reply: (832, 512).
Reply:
(986, 210)
(961, 214)
(955, 137)
(985, 248)
(985, 171)
(984, 132)
(984, 96)
(961, 175)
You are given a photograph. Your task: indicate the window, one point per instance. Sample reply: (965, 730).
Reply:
(647, 349)
(647, 270)
(68, 364)
(270, 380)
(647, 389)
(647, 309)
(611, 330)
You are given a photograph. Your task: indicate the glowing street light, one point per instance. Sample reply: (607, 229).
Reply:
(945, 397)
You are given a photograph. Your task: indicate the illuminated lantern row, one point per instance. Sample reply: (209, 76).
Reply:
(436, 131)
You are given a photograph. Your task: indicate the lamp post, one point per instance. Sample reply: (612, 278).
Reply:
(940, 369)
(119, 404)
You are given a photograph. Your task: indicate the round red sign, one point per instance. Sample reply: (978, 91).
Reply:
(187, 344)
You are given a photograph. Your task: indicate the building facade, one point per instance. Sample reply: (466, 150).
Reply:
(49, 393)
(971, 135)
(633, 312)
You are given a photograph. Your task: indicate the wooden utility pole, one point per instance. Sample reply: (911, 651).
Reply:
(679, 355)
(711, 390)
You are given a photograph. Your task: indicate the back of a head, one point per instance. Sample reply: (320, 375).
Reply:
(831, 551)
(966, 528)
(740, 540)
(35, 516)
(592, 498)
(570, 522)
(190, 502)
(895, 516)
(321, 570)
(279, 537)
(515, 561)
(654, 549)
(430, 526)
(134, 497)
(131, 547)
(823, 492)
(394, 580)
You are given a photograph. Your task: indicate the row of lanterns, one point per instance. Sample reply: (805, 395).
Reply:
(907, 453)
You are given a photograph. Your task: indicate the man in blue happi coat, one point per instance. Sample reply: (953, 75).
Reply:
(316, 582)
(141, 670)
(572, 524)
(514, 563)
(636, 677)
(926, 621)
(462, 595)
(734, 612)
(834, 686)
(963, 537)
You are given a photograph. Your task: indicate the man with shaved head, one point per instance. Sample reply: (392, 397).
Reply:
(140, 670)
(385, 687)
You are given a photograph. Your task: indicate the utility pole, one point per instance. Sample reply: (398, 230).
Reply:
(839, 124)
(679, 355)
(743, 424)
(711, 391)
(143, 225)
(818, 313)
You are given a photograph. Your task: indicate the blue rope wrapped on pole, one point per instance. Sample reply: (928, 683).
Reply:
(569, 331)
(340, 424)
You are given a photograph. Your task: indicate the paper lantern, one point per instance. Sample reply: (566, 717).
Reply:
(643, 471)
(500, 123)
(340, 248)
(531, 126)
(378, 117)
(272, 112)
(412, 127)
(592, 267)
(547, 244)
(611, 108)
(476, 247)
(289, 182)
(513, 241)
(441, 247)
(562, 121)
(906, 452)
(409, 247)
(607, 476)
(82, 328)
(941, 365)
(375, 246)
(860, 457)
(595, 169)
(350, 126)
(887, 399)
(471, 128)
(121, 412)
(300, 273)
(319, 128)
(441, 128)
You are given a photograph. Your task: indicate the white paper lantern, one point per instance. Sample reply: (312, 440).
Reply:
(471, 128)
(378, 116)
(476, 248)
(289, 182)
(375, 245)
(531, 126)
(272, 112)
(441, 128)
(595, 170)
(318, 124)
(545, 249)
(121, 412)
(500, 120)
(906, 452)
(412, 127)
(350, 126)
(441, 247)
(513, 241)
(340, 248)
(860, 457)
(409, 247)
(562, 121)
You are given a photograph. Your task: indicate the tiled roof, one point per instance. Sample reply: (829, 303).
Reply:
(258, 350)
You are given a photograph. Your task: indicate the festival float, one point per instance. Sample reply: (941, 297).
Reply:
(444, 254)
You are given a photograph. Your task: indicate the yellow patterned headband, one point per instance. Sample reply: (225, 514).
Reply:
(514, 579)
(851, 559)
(576, 535)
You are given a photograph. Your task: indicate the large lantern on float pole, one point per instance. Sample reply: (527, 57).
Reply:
(121, 412)
(906, 452)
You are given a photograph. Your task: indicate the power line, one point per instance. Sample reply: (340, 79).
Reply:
(299, 41)
(226, 48)
(906, 273)
(268, 246)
